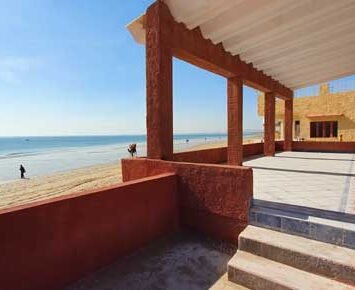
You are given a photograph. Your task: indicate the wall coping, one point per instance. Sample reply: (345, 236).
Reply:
(246, 168)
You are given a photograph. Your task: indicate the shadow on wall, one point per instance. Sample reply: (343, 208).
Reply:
(213, 199)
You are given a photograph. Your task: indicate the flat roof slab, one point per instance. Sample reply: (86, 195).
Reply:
(318, 180)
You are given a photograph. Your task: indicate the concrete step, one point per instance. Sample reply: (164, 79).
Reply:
(256, 272)
(297, 221)
(308, 255)
(224, 284)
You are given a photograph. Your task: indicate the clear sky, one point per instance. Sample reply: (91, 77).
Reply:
(71, 67)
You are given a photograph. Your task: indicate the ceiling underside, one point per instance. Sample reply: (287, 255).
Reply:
(297, 42)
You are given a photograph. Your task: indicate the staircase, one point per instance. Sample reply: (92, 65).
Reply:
(321, 225)
(282, 250)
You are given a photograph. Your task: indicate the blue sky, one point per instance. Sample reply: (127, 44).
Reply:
(71, 68)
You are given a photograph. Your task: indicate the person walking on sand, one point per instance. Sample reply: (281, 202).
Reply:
(23, 171)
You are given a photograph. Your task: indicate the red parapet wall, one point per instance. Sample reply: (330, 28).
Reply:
(219, 155)
(314, 146)
(49, 244)
(213, 155)
(258, 148)
(253, 149)
(214, 199)
(279, 146)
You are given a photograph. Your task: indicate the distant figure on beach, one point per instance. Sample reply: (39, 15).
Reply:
(187, 140)
(132, 149)
(22, 171)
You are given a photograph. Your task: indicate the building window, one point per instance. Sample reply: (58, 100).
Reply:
(297, 129)
(325, 129)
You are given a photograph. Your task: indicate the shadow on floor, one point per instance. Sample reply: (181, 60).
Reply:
(183, 261)
(304, 171)
(312, 158)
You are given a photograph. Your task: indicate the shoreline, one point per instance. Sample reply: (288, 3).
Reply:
(42, 162)
(22, 191)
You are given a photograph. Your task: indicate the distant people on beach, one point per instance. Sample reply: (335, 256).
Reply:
(187, 140)
(132, 149)
(22, 171)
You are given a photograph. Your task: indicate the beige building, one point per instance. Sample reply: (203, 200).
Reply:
(326, 117)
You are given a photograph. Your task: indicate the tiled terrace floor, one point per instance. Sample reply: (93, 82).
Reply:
(317, 180)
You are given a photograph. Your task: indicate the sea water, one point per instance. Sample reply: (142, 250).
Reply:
(48, 155)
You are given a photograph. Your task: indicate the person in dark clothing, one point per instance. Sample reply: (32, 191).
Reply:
(132, 149)
(23, 171)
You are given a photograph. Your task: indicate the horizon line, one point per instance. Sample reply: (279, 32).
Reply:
(128, 134)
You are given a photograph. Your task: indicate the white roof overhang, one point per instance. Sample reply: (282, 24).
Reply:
(296, 42)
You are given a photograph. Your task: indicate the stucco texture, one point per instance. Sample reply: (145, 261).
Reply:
(213, 199)
(326, 106)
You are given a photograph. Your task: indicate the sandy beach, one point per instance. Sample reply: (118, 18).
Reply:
(221, 144)
(43, 187)
(88, 178)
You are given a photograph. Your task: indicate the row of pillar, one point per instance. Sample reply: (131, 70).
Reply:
(235, 122)
(160, 101)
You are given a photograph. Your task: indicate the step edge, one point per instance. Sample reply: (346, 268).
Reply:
(272, 267)
(332, 269)
(287, 236)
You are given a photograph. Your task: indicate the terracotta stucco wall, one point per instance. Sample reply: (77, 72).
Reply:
(214, 199)
(217, 155)
(325, 104)
(49, 244)
(309, 146)
(253, 149)
(214, 155)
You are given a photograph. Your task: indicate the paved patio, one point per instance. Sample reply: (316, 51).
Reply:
(184, 261)
(317, 180)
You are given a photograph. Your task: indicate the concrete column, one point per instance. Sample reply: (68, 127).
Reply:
(269, 124)
(288, 128)
(235, 121)
(159, 85)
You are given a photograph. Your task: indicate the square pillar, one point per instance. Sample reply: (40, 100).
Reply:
(159, 85)
(269, 124)
(235, 121)
(288, 128)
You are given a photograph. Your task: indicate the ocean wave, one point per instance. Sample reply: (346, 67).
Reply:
(119, 148)
(18, 154)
